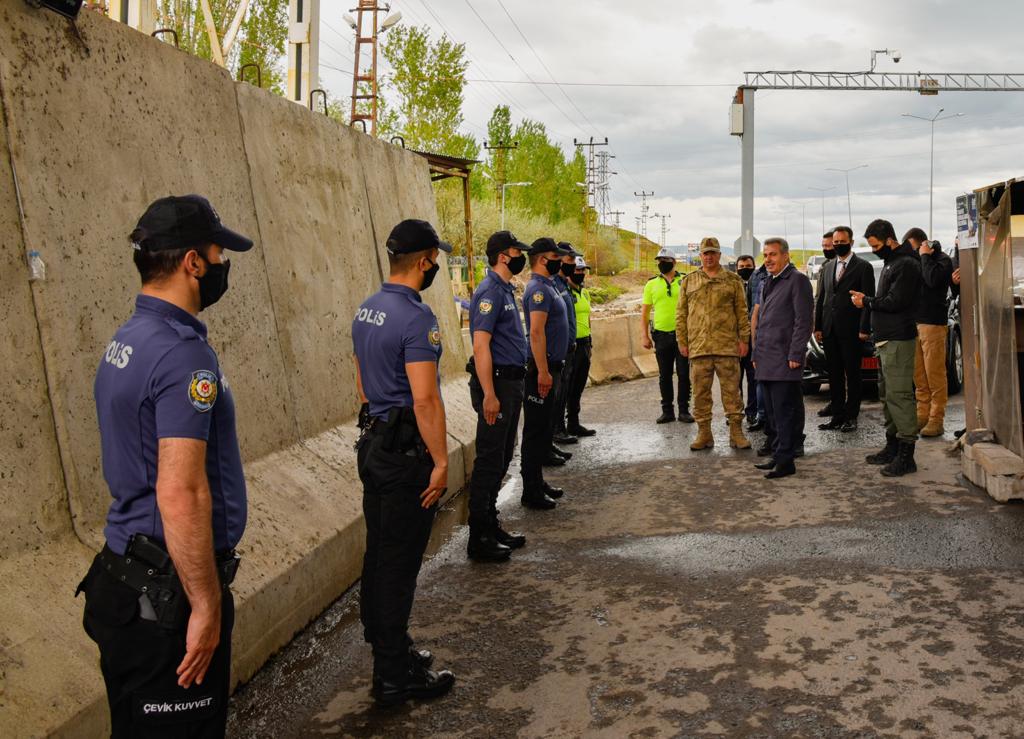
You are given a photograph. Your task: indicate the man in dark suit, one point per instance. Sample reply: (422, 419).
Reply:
(780, 348)
(842, 328)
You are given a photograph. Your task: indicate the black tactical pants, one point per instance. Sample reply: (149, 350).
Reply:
(138, 659)
(538, 426)
(578, 379)
(666, 351)
(495, 446)
(397, 531)
(563, 388)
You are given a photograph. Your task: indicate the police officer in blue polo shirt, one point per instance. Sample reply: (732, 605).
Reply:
(157, 598)
(547, 328)
(561, 280)
(496, 373)
(402, 458)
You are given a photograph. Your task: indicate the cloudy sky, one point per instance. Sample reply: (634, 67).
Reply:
(675, 140)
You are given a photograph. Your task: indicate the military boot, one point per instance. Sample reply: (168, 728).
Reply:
(704, 438)
(736, 438)
(904, 463)
(888, 454)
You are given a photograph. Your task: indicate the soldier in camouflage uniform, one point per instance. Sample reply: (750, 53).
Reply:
(713, 330)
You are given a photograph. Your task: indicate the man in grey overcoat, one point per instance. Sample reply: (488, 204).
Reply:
(784, 326)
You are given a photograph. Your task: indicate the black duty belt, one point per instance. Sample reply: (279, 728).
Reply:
(501, 371)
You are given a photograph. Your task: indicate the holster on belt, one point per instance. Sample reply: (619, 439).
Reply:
(147, 568)
(401, 434)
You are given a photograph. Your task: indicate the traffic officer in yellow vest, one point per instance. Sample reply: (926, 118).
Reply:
(713, 332)
(584, 346)
(661, 294)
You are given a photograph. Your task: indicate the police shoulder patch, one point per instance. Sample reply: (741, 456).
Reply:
(202, 390)
(434, 335)
(538, 297)
(486, 306)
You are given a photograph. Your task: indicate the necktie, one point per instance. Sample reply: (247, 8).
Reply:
(840, 268)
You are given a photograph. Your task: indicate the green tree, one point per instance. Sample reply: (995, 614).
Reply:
(425, 90)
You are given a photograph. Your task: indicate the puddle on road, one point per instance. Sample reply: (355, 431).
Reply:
(991, 542)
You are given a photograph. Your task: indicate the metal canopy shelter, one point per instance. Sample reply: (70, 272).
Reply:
(441, 168)
(924, 83)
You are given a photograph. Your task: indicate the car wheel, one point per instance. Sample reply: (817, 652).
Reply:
(955, 363)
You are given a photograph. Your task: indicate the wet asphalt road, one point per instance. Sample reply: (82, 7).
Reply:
(680, 594)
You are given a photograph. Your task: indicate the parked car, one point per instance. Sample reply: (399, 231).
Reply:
(954, 349)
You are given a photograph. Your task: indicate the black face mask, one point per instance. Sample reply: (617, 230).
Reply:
(429, 275)
(577, 278)
(553, 266)
(842, 249)
(829, 253)
(745, 272)
(568, 269)
(213, 284)
(516, 264)
(666, 267)
(884, 251)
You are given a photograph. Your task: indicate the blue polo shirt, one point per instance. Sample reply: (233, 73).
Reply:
(540, 296)
(494, 310)
(159, 379)
(562, 286)
(391, 329)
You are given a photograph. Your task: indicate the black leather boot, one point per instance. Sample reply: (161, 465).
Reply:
(904, 463)
(418, 684)
(484, 546)
(511, 539)
(888, 454)
(537, 500)
(551, 491)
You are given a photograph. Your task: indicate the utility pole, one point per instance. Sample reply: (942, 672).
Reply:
(604, 175)
(931, 166)
(643, 195)
(372, 8)
(616, 214)
(849, 207)
(303, 49)
(636, 248)
(664, 230)
(589, 191)
(823, 190)
(500, 162)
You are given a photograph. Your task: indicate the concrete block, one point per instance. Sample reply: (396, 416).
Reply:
(973, 471)
(612, 358)
(997, 460)
(978, 436)
(1003, 488)
(644, 359)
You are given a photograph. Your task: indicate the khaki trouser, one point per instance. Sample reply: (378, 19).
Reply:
(702, 375)
(896, 388)
(930, 372)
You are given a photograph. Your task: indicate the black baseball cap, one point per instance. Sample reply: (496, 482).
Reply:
(502, 240)
(568, 249)
(184, 222)
(413, 235)
(543, 245)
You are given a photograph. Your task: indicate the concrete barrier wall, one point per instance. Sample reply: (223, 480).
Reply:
(612, 358)
(95, 136)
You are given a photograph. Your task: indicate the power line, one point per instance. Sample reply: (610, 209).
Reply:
(516, 62)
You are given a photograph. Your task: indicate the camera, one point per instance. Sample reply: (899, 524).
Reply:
(896, 55)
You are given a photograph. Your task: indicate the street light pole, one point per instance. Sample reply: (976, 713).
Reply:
(849, 205)
(931, 158)
(822, 191)
(505, 186)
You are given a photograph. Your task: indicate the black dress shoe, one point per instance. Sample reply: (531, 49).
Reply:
(551, 491)
(849, 426)
(685, 417)
(561, 453)
(756, 425)
(418, 684)
(511, 539)
(562, 437)
(553, 460)
(781, 470)
(487, 548)
(666, 417)
(798, 452)
(537, 501)
(769, 465)
(580, 431)
(826, 411)
(421, 658)
(835, 423)
(764, 450)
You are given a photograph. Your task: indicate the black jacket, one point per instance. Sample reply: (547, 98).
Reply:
(936, 278)
(894, 306)
(834, 311)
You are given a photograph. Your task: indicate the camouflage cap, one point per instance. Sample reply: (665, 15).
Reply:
(709, 243)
